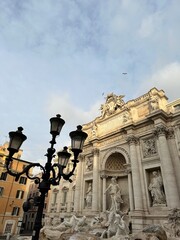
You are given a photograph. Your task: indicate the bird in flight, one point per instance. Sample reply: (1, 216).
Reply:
(124, 73)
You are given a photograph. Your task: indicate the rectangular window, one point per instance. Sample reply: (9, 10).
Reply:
(23, 180)
(3, 176)
(19, 194)
(1, 191)
(64, 197)
(8, 228)
(55, 198)
(15, 211)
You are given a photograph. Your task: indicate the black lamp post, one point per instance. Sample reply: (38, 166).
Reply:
(50, 176)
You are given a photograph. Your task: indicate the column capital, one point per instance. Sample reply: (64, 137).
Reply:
(81, 157)
(95, 151)
(132, 139)
(104, 176)
(160, 130)
(170, 133)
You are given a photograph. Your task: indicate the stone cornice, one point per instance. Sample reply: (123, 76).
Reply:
(116, 174)
(159, 114)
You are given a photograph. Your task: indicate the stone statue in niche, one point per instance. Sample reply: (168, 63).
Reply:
(115, 194)
(88, 196)
(149, 147)
(89, 164)
(156, 189)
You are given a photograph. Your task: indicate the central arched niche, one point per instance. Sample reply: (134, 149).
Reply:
(115, 166)
(115, 162)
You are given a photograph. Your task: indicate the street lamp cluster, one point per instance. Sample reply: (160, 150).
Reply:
(51, 172)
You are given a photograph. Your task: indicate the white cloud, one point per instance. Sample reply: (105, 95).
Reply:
(63, 105)
(166, 78)
(147, 26)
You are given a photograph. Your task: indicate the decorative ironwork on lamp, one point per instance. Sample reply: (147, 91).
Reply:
(51, 172)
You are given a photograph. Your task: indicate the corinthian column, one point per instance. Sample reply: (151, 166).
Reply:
(132, 140)
(95, 195)
(130, 188)
(104, 192)
(78, 188)
(168, 173)
(177, 128)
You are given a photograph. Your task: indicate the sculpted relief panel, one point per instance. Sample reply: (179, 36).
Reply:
(89, 164)
(149, 147)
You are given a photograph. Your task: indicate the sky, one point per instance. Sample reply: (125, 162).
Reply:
(65, 56)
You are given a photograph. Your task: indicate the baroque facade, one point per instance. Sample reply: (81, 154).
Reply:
(137, 145)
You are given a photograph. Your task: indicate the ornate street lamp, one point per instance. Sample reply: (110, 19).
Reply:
(51, 173)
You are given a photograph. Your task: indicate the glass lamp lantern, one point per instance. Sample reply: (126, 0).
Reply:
(56, 125)
(78, 138)
(16, 140)
(63, 157)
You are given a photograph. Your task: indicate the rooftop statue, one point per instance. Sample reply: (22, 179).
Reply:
(112, 103)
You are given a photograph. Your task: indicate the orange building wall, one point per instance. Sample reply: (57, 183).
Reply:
(8, 200)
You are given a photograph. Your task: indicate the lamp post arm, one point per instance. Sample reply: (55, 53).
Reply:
(57, 177)
(25, 170)
(71, 173)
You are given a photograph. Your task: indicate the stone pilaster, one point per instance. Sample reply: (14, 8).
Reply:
(143, 187)
(174, 154)
(78, 189)
(132, 140)
(168, 173)
(95, 195)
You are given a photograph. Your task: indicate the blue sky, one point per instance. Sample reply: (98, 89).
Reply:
(60, 56)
